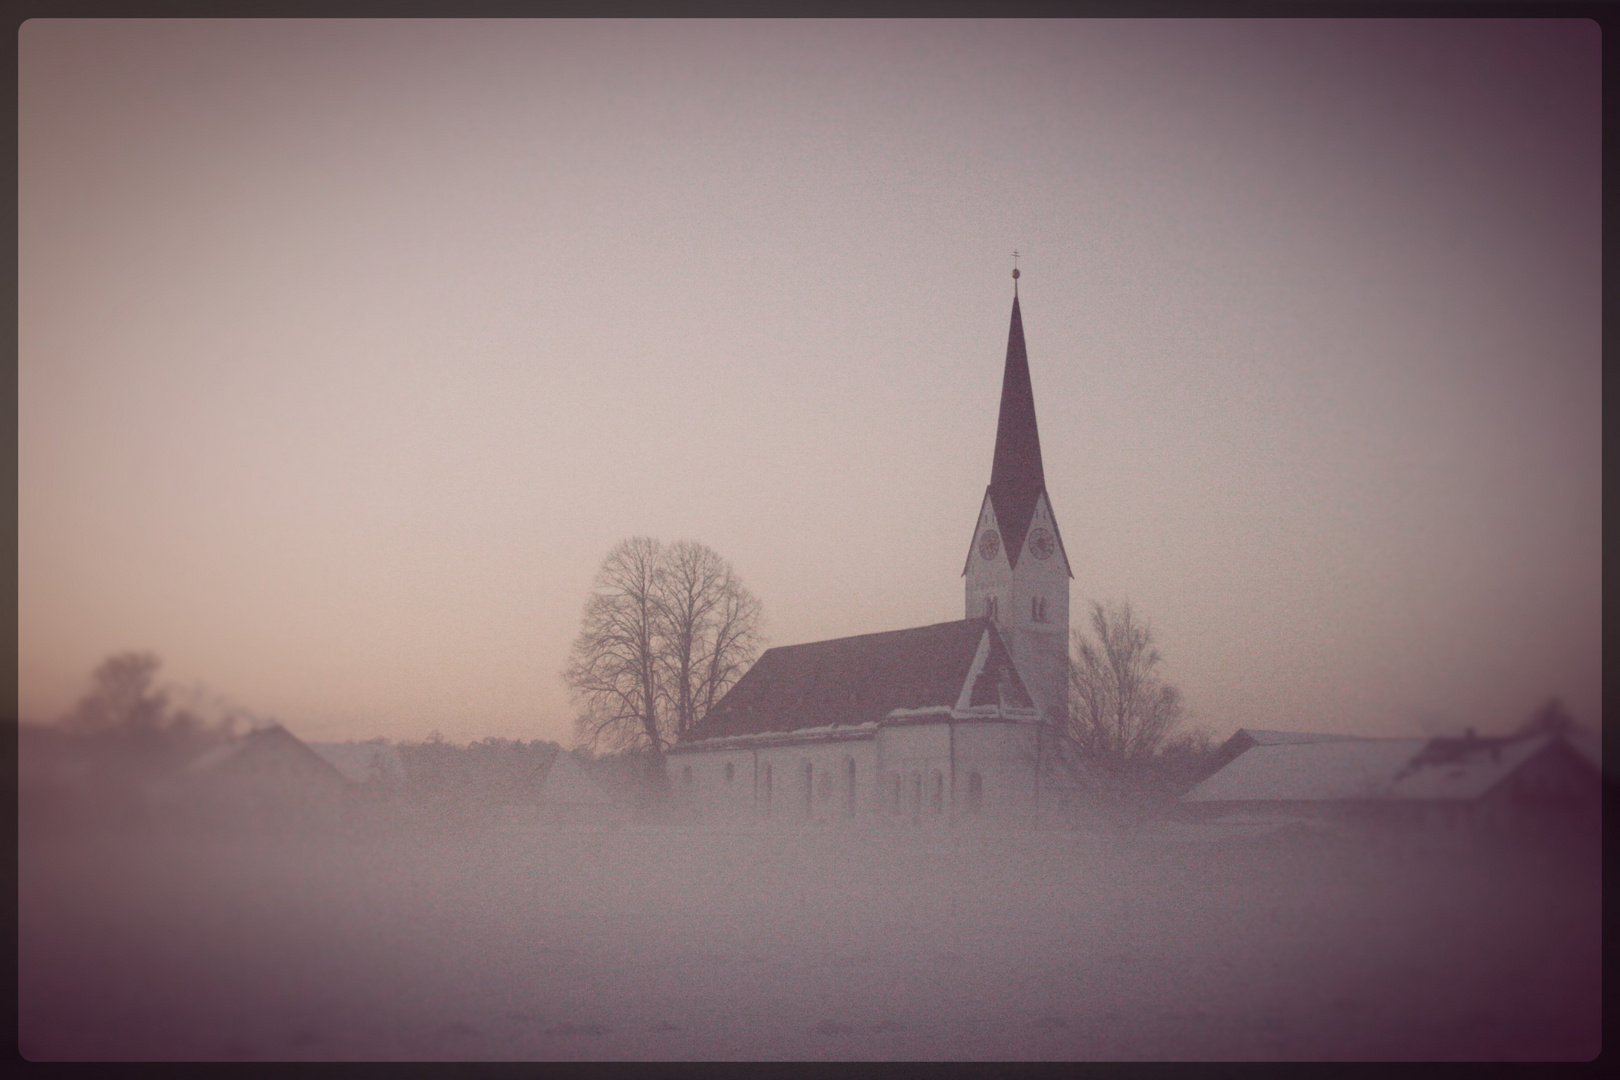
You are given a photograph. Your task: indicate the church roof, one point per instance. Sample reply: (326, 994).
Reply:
(857, 680)
(1017, 478)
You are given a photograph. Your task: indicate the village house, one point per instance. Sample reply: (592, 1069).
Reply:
(1490, 783)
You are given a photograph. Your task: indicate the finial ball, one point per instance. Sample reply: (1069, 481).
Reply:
(1015, 273)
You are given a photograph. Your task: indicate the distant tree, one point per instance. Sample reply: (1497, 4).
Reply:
(666, 632)
(1187, 758)
(1120, 707)
(122, 699)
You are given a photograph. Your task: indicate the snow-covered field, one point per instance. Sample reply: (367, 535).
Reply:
(519, 941)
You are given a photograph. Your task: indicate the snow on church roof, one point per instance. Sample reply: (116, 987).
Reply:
(857, 680)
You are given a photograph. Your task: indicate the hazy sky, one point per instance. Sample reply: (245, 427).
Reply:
(348, 349)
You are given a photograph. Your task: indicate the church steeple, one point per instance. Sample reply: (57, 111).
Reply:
(1016, 477)
(1017, 572)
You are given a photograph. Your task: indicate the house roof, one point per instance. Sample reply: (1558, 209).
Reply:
(1309, 771)
(857, 680)
(1267, 737)
(1383, 769)
(1466, 772)
(264, 751)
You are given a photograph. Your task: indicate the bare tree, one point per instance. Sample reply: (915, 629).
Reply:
(666, 632)
(710, 630)
(1120, 707)
(613, 672)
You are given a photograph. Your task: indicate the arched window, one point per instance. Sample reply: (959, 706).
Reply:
(731, 771)
(686, 776)
(809, 788)
(849, 786)
(1037, 609)
(975, 792)
(989, 607)
(916, 794)
(938, 796)
(767, 789)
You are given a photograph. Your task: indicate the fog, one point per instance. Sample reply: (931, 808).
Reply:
(348, 348)
(396, 936)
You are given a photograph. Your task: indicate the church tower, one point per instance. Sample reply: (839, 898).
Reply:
(1017, 570)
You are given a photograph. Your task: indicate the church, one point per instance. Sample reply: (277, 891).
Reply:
(955, 722)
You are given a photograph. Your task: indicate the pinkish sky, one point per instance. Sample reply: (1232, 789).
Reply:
(348, 349)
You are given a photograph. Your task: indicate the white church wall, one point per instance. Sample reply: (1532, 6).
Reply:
(770, 783)
(935, 765)
(1004, 757)
(917, 758)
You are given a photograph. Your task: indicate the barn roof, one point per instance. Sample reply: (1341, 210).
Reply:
(271, 751)
(863, 679)
(1309, 771)
(1356, 769)
(1268, 737)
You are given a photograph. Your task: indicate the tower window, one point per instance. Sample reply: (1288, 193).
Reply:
(1037, 609)
(731, 771)
(975, 792)
(849, 786)
(938, 795)
(686, 776)
(989, 607)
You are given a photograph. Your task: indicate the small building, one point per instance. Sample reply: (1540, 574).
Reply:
(1500, 783)
(268, 775)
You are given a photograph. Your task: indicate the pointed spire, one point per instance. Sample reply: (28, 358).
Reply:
(1016, 476)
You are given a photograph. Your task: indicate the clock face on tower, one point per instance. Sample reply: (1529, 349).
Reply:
(1041, 544)
(989, 544)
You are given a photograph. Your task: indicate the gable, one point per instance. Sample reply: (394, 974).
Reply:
(986, 520)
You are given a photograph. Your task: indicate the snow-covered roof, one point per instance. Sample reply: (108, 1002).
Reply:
(1308, 771)
(1468, 775)
(1349, 769)
(1266, 737)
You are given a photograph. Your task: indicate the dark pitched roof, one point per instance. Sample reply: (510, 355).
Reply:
(856, 680)
(1017, 478)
